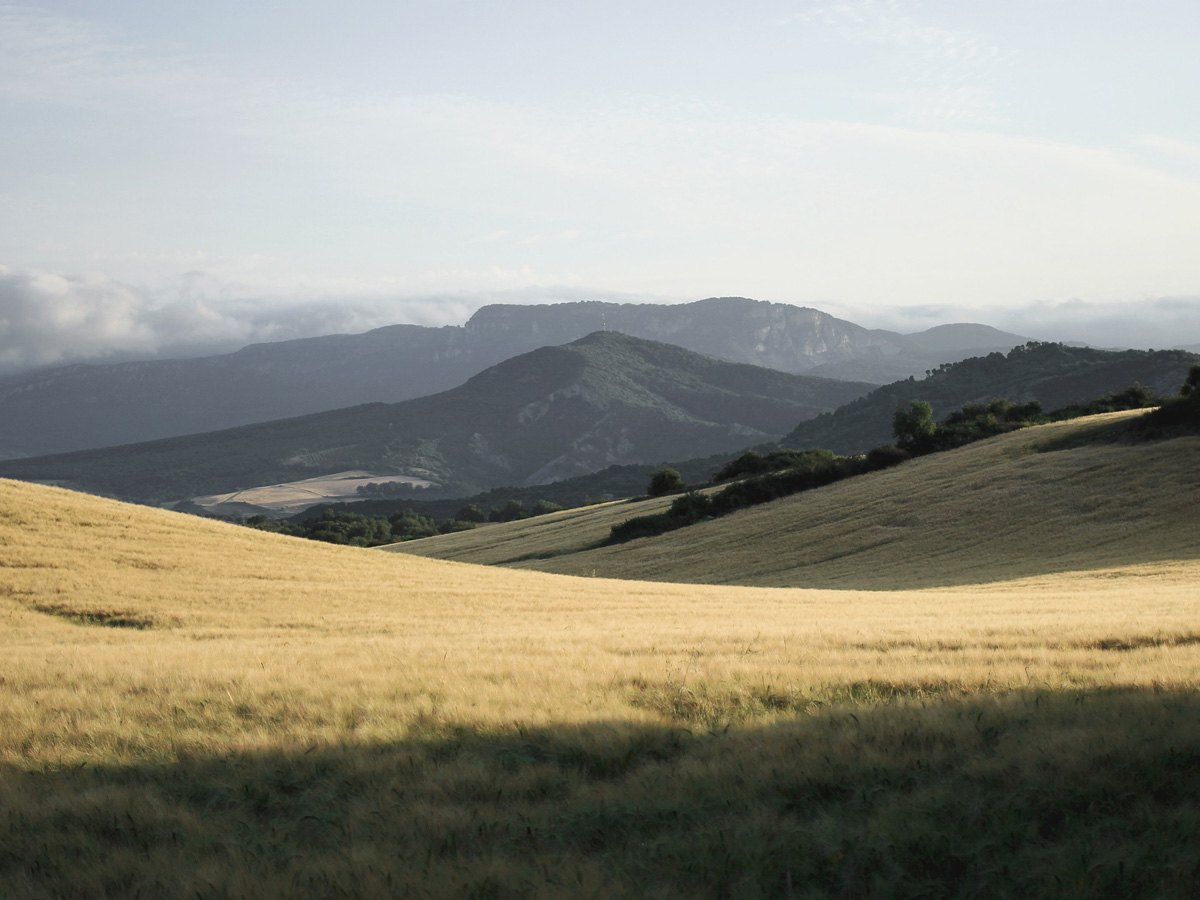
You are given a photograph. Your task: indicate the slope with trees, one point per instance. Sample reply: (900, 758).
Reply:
(1055, 375)
(546, 415)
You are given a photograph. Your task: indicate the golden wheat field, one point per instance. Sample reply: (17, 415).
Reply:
(192, 708)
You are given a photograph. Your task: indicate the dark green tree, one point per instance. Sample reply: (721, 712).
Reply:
(914, 427)
(510, 511)
(1191, 387)
(665, 481)
(472, 513)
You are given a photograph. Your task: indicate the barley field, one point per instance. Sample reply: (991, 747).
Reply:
(194, 709)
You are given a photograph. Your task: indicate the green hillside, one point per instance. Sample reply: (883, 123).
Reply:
(555, 412)
(1054, 374)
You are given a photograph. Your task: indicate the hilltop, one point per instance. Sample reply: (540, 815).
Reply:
(554, 412)
(98, 405)
(994, 511)
(1056, 375)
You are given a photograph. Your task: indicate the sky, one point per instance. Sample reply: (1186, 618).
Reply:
(187, 178)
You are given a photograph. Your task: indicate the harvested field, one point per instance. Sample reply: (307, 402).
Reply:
(295, 496)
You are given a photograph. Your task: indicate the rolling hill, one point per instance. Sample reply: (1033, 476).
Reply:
(991, 512)
(548, 414)
(87, 406)
(1054, 374)
(191, 708)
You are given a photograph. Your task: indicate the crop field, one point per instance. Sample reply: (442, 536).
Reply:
(190, 708)
(297, 496)
(994, 511)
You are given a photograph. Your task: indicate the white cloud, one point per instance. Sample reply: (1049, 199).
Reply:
(48, 318)
(1156, 322)
(293, 193)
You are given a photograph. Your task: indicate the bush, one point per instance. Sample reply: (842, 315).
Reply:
(749, 463)
(1191, 385)
(665, 481)
(914, 427)
(1179, 414)
(887, 455)
(691, 507)
(509, 512)
(472, 513)
(753, 463)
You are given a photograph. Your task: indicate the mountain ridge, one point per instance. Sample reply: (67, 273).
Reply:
(84, 406)
(553, 412)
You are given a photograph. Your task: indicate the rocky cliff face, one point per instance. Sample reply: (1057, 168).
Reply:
(776, 335)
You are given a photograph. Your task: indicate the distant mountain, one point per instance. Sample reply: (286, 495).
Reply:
(1054, 374)
(548, 414)
(85, 406)
(916, 354)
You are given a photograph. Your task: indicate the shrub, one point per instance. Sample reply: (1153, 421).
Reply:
(1191, 386)
(887, 455)
(510, 511)
(749, 463)
(665, 481)
(472, 513)
(690, 507)
(914, 427)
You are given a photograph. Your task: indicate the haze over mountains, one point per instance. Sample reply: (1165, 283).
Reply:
(88, 406)
(538, 417)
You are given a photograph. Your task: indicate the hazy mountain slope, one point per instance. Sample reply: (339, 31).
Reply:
(993, 511)
(84, 406)
(547, 414)
(917, 353)
(1055, 374)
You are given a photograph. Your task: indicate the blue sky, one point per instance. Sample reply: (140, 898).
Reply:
(183, 177)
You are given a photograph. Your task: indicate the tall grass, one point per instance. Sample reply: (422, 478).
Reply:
(194, 709)
(991, 512)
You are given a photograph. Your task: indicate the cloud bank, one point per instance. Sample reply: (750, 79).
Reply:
(50, 319)
(1152, 323)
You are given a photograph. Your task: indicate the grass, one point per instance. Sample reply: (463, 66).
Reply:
(302, 719)
(995, 511)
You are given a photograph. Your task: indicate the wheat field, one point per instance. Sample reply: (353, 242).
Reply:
(191, 708)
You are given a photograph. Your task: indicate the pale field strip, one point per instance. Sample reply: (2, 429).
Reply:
(295, 496)
(994, 511)
(263, 641)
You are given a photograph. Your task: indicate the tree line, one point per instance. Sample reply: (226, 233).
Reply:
(781, 473)
(337, 526)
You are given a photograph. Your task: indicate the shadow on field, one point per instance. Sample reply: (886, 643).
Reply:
(1019, 795)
